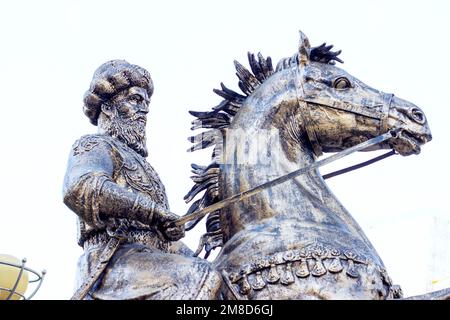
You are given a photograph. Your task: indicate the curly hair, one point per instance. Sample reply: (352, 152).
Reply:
(111, 78)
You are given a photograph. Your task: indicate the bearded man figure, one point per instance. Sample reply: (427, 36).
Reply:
(123, 212)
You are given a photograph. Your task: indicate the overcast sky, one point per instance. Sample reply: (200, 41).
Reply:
(50, 49)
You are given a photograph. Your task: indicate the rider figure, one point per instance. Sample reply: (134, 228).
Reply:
(112, 188)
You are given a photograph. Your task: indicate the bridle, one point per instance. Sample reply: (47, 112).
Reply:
(311, 129)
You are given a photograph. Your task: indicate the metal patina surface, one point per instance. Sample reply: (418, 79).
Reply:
(294, 240)
(283, 233)
(121, 202)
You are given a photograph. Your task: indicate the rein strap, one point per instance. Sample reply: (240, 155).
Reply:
(251, 192)
(359, 165)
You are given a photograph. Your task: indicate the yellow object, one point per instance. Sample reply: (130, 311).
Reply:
(9, 275)
(439, 280)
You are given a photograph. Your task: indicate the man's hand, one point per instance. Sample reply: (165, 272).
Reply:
(164, 225)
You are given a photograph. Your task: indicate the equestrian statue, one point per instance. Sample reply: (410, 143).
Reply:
(282, 232)
(294, 240)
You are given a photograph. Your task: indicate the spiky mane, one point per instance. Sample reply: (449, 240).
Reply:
(206, 178)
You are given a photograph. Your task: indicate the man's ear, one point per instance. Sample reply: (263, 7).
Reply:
(107, 109)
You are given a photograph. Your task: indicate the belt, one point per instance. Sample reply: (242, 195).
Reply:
(147, 238)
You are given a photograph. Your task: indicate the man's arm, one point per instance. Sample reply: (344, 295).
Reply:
(91, 193)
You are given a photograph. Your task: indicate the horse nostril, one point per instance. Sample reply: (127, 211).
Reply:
(417, 115)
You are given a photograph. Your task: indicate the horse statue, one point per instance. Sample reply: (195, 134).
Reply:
(294, 240)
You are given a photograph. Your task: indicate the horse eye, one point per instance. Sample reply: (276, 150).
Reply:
(341, 83)
(417, 115)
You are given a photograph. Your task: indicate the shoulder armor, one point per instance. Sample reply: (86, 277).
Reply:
(88, 142)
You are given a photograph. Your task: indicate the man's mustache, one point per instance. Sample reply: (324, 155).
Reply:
(140, 117)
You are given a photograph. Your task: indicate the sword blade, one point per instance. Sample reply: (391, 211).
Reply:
(253, 191)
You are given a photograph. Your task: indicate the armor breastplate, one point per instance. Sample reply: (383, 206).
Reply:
(131, 171)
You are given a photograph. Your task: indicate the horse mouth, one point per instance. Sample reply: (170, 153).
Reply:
(407, 143)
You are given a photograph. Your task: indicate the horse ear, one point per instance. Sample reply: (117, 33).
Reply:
(303, 48)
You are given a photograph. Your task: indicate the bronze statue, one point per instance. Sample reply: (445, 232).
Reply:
(283, 234)
(294, 240)
(129, 250)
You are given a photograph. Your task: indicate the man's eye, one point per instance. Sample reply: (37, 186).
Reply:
(135, 98)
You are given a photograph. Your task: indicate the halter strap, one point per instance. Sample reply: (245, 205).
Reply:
(382, 115)
(311, 128)
(386, 109)
(345, 106)
(309, 125)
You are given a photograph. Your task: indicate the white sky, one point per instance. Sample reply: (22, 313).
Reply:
(49, 50)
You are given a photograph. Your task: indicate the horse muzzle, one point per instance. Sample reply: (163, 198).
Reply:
(411, 127)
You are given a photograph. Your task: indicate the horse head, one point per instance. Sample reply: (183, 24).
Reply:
(312, 107)
(341, 110)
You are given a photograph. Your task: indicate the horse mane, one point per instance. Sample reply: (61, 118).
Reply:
(206, 178)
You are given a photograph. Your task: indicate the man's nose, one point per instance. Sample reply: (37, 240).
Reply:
(143, 107)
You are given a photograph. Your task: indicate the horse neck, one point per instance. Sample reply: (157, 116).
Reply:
(265, 141)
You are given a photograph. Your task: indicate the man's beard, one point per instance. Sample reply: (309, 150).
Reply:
(130, 131)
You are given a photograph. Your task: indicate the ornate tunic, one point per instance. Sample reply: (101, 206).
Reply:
(90, 156)
(106, 183)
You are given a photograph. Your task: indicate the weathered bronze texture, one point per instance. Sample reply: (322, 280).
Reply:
(286, 238)
(294, 240)
(121, 202)
(289, 176)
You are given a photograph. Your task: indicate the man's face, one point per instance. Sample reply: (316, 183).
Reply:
(128, 118)
(132, 104)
